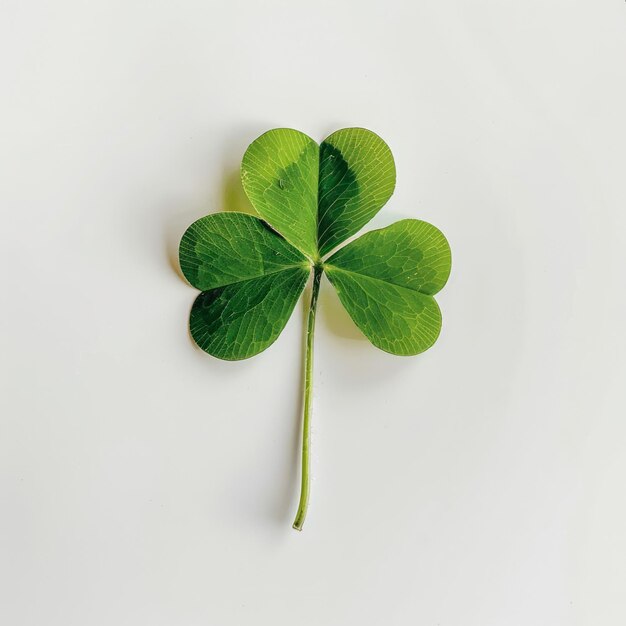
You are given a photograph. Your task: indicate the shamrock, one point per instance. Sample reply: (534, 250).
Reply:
(311, 198)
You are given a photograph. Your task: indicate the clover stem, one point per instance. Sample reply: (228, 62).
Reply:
(308, 390)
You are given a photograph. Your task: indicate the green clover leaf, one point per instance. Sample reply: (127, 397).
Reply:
(311, 198)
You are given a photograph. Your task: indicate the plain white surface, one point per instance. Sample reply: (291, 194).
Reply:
(143, 482)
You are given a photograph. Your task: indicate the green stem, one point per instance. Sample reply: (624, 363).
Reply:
(308, 389)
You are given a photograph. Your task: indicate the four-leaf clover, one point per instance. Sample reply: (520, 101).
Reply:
(310, 199)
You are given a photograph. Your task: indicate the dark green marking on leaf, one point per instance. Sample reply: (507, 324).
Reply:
(338, 186)
(357, 177)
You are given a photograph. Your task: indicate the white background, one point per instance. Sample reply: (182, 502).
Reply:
(143, 482)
